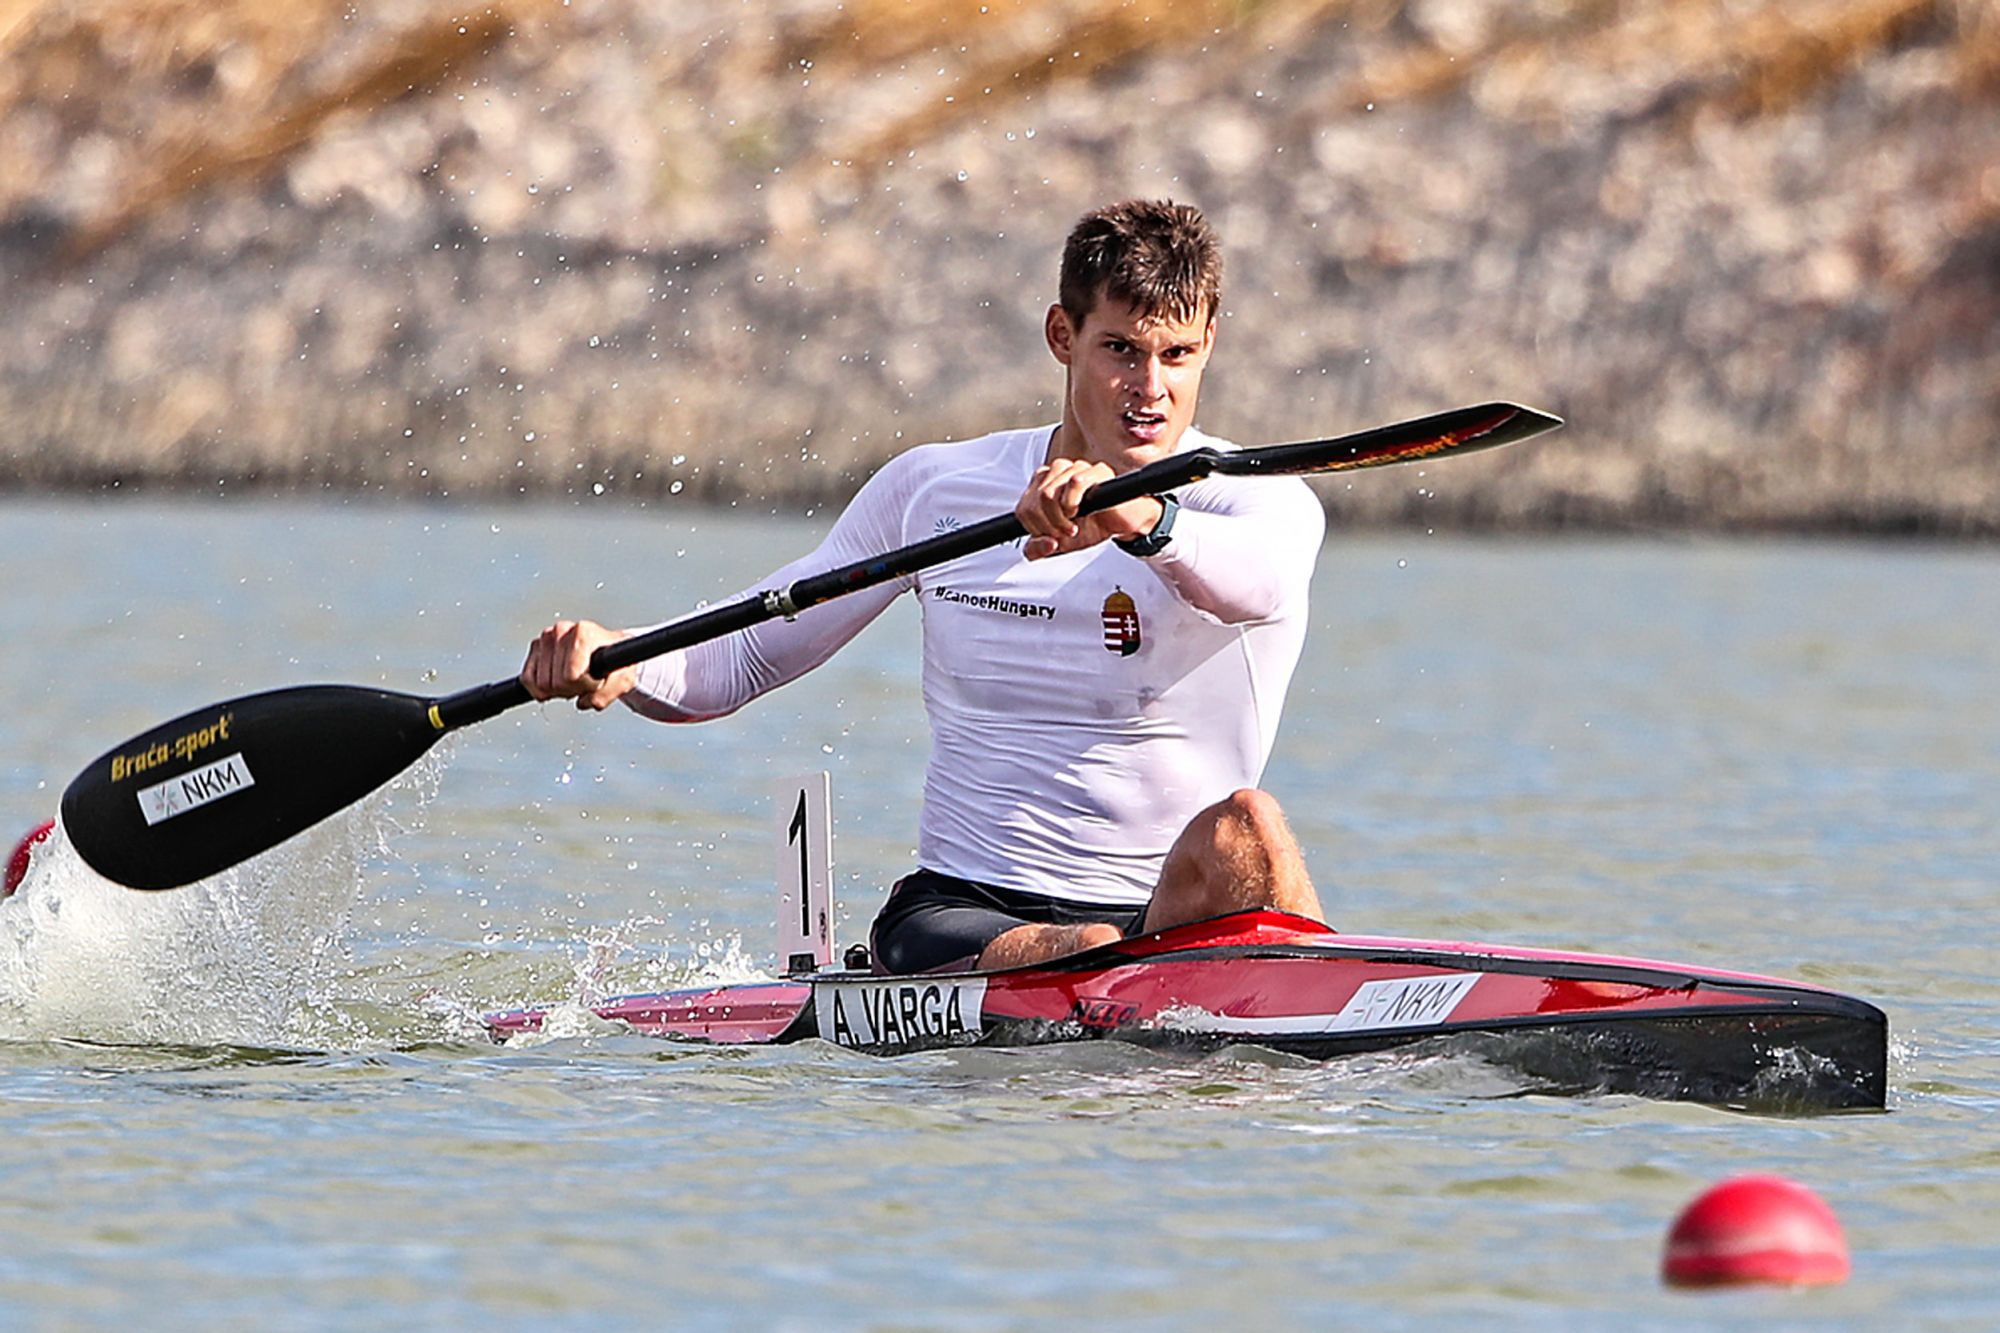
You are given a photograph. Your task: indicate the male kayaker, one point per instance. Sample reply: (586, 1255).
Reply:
(1103, 696)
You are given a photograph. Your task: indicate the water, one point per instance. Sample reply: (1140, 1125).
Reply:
(263, 1102)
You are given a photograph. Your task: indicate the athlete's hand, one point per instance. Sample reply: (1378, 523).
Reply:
(558, 665)
(1047, 509)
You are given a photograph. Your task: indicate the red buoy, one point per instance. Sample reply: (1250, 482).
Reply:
(17, 864)
(1756, 1228)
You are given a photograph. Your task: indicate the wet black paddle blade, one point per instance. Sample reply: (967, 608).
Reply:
(1463, 430)
(205, 791)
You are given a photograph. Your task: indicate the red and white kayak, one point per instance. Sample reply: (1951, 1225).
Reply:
(1568, 1021)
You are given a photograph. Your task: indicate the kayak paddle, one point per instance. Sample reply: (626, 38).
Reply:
(217, 786)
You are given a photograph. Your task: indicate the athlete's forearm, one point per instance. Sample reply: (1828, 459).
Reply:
(1247, 566)
(716, 678)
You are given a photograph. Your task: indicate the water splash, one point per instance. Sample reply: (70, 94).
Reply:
(240, 958)
(718, 962)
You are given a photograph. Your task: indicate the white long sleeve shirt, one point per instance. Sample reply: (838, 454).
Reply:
(1083, 708)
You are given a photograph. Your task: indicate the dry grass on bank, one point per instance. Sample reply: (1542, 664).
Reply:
(223, 90)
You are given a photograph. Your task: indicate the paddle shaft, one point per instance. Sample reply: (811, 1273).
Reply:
(1459, 431)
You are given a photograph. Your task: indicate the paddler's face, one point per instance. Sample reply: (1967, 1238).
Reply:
(1131, 383)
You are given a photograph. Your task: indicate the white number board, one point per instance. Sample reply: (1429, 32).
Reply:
(804, 811)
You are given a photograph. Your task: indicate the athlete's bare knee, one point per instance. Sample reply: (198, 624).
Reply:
(1250, 820)
(1238, 853)
(1253, 802)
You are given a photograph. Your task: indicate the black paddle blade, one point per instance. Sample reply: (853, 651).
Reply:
(205, 791)
(1462, 430)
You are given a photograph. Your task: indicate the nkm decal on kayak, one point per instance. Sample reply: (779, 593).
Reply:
(899, 1012)
(181, 747)
(1405, 1002)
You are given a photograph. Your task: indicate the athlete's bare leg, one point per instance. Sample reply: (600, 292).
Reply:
(1236, 855)
(1037, 944)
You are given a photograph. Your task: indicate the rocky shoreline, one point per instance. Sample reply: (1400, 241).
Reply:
(708, 255)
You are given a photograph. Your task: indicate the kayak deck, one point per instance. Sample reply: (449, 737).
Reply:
(1571, 1022)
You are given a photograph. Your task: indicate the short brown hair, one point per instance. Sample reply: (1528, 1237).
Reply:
(1154, 254)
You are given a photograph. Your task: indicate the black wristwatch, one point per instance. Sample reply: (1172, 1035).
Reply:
(1155, 541)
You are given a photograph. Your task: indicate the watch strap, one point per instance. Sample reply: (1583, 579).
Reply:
(1154, 542)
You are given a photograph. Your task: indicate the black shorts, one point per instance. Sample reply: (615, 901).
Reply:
(935, 923)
